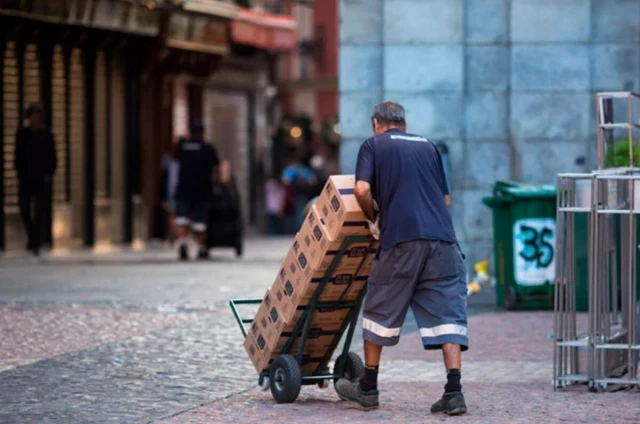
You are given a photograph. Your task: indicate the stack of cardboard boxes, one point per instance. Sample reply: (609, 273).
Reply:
(335, 216)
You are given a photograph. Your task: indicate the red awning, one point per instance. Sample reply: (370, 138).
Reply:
(264, 30)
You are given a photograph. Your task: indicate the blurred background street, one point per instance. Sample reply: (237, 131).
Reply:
(104, 319)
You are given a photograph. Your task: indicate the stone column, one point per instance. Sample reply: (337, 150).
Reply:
(360, 70)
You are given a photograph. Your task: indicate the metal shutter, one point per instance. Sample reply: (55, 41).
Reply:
(76, 140)
(101, 149)
(11, 124)
(31, 75)
(59, 123)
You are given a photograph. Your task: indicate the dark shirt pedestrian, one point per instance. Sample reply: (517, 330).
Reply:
(35, 164)
(198, 162)
(35, 158)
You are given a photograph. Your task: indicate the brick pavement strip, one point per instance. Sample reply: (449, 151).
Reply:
(506, 377)
(532, 403)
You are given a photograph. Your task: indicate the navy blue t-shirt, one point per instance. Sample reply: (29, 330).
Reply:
(197, 160)
(408, 182)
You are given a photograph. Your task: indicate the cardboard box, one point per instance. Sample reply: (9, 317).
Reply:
(313, 246)
(259, 353)
(339, 208)
(327, 319)
(268, 323)
(262, 356)
(268, 334)
(316, 345)
(295, 285)
(317, 252)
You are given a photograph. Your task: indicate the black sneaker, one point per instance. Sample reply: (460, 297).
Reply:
(351, 392)
(451, 404)
(184, 253)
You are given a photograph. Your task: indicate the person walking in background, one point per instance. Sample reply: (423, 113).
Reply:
(274, 202)
(198, 163)
(170, 173)
(319, 167)
(299, 180)
(35, 163)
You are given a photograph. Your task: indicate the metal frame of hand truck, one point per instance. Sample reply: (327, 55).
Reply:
(303, 325)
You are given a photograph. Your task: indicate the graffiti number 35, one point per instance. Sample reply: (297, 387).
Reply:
(537, 248)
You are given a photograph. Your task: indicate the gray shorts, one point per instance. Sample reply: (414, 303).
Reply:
(429, 276)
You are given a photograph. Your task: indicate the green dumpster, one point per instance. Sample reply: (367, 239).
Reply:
(524, 233)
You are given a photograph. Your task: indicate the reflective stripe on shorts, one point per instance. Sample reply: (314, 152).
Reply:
(444, 330)
(380, 330)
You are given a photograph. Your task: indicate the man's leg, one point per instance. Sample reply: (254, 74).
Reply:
(390, 287)
(38, 221)
(452, 356)
(24, 202)
(439, 306)
(182, 228)
(199, 227)
(48, 216)
(372, 353)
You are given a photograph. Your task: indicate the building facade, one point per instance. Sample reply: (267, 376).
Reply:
(119, 81)
(308, 79)
(83, 63)
(506, 85)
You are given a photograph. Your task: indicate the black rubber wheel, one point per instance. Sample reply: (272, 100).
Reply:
(510, 299)
(353, 367)
(239, 247)
(285, 379)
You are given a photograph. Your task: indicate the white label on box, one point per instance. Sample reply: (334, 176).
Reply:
(534, 241)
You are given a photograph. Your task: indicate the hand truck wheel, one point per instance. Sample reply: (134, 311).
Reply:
(285, 379)
(263, 382)
(352, 367)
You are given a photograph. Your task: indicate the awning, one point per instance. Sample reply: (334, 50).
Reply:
(264, 30)
(199, 33)
(210, 7)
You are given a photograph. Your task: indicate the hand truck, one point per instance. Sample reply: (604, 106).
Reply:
(284, 376)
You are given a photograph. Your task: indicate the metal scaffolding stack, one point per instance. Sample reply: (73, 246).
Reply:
(607, 350)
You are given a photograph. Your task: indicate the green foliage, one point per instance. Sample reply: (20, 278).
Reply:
(618, 155)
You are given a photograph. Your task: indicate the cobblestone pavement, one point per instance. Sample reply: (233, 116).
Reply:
(135, 337)
(409, 402)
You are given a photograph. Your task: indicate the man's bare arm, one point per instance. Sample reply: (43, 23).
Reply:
(363, 196)
(447, 200)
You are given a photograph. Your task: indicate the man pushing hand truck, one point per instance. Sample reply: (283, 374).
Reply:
(419, 263)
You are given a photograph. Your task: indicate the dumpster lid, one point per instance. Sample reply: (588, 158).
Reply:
(522, 190)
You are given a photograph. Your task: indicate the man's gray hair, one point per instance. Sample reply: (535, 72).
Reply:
(389, 113)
